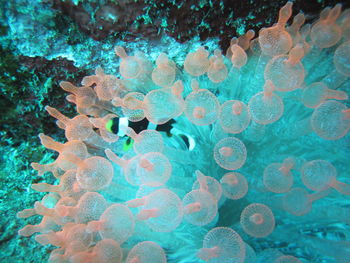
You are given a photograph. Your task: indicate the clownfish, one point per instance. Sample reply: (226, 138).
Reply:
(117, 125)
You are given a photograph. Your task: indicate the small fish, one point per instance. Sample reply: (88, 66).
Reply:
(117, 124)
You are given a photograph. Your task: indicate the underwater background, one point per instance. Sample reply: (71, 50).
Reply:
(44, 42)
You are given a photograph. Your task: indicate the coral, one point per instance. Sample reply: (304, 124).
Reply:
(262, 171)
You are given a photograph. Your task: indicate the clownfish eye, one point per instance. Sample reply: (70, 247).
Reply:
(113, 125)
(128, 144)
